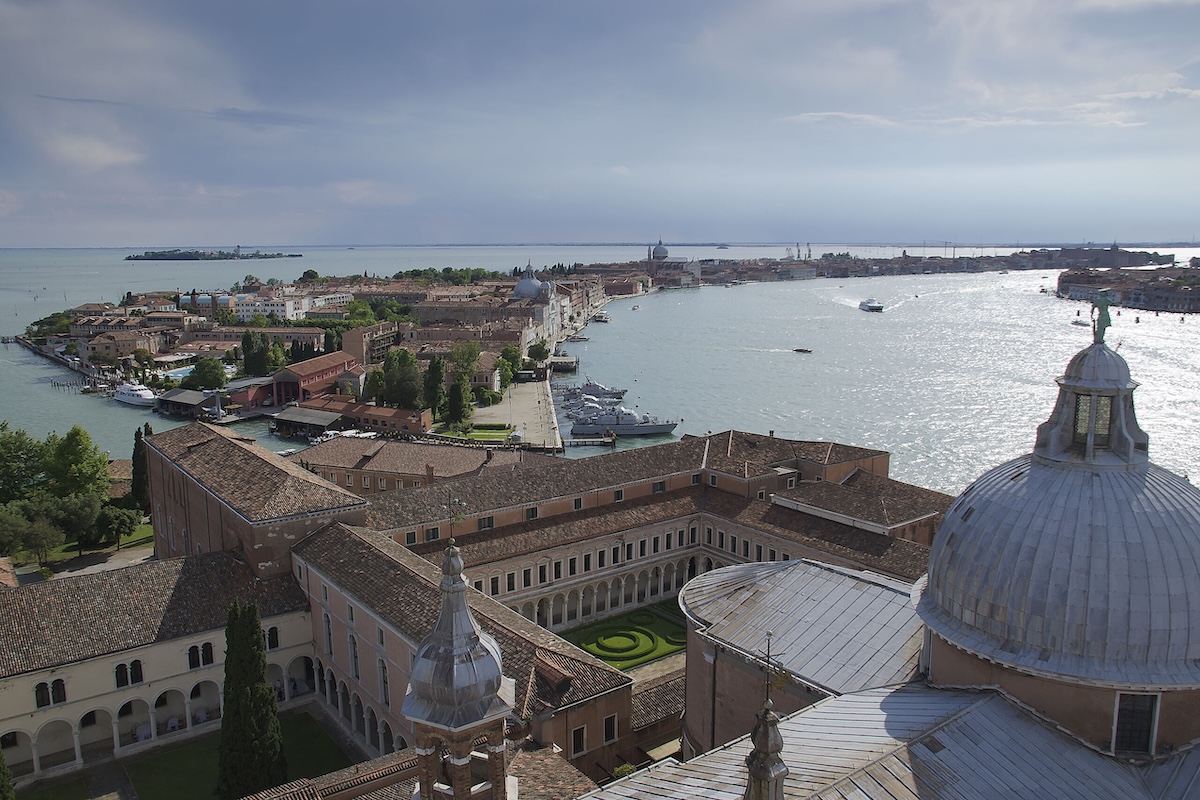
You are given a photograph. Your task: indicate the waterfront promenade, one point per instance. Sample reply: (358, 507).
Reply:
(529, 409)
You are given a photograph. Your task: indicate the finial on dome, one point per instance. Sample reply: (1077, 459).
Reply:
(1101, 321)
(764, 764)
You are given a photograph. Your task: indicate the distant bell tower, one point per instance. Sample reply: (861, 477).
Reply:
(458, 694)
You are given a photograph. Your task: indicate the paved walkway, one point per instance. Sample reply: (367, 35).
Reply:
(529, 408)
(663, 666)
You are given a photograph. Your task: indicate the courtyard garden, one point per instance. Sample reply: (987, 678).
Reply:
(636, 638)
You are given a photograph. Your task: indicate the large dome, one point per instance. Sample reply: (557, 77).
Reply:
(1080, 561)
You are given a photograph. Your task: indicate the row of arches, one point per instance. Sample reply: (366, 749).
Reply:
(359, 718)
(97, 732)
(614, 595)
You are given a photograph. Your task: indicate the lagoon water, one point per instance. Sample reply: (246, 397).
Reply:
(952, 378)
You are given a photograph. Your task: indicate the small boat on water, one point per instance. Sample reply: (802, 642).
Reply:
(135, 394)
(1082, 322)
(600, 390)
(801, 350)
(577, 338)
(870, 304)
(601, 316)
(637, 308)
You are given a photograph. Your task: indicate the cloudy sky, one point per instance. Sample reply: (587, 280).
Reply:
(173, 123)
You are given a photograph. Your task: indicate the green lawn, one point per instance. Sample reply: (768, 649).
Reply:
(142, 536)
(189, 771)
(632, 639)
(73, 789)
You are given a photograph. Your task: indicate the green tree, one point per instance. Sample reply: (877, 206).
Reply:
(401, 379)
(506, 373)
(141, 474)
(538, 351)
(75, 465)
(40, 537)
(373, 388)
(12, 529)
(464, 358)
(6, 785)
(22, 462)
(208, 373)
(435, 385)
(257, 321)
(310, 275)
(251, 753)
(224, 316)
(277, 357)
(113, 522)
(75, 515)
(459, 401)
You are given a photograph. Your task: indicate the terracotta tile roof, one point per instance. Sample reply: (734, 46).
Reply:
(8, 575)
(44, 625)
(560, 478)
(658, 698)
(402, 588)
(257, 483)
(741, 446)
(302, 789)
(320, 363)
(896, 557)
(873, 498)
(391, 770)
(410, 458)
(543, 774)
(485, 547)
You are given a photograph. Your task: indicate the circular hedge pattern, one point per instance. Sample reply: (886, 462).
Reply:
(631, 639)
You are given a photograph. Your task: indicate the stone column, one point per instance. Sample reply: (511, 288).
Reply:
(497, 762)
(460, 766)
(187, 711)
(116, 728)
(78, 748)
(153, 724)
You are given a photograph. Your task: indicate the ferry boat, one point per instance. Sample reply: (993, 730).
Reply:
(870, 304)
(135, 394)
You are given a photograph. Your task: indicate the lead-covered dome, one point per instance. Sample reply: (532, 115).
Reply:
(659, 252)
(1080, 561)
(457, 673)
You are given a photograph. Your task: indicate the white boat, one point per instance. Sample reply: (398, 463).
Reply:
(870, 304)
(136, 394)
(600, 390)
(601, 316)
(622, 422)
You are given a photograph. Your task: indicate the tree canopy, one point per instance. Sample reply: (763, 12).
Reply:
(209, 373)
(75, 465)
(435, 385)
(251, 752)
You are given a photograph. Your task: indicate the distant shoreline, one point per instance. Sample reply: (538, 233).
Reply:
(205, 255)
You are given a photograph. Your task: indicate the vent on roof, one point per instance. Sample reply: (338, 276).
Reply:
(559, 679)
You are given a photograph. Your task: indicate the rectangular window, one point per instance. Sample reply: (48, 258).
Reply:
(610, 728)
(1133, 730)
(558, 570)
(325, 593)
(349, 479)
(732, 543)
(642, 548)
(791, 483)
(786, 557)
(758, 552)
(510, 582)
(479, 586)
(410, 537)
(696, 479)
(526, 578)
(541, 573)
(616, 555)
(495, 585)
(366, 481)
(660, 487)
(531, 514)
(721, 539)
(379, 636)
(745, 548)
(692, 535)
(578, 741)
(708, 535)
(712, 480)
(486, 523)
(381, 483)
(600, 554)
(350, 612)
(762, 494)
(578, 503)
(618, 495)
(572, 563)
(587, 562)
(629, 552)
(654, 544)
(772, 554)
(431, 534)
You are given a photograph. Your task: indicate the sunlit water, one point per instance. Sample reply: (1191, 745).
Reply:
(952, 378)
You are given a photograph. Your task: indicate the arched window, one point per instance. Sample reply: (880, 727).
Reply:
(272, 638)
(328, 635)
(41, 694)
(58, 691)
(193, 657)
(354, 657)
(135, 671)
(206, 653)
(384, 695)
(122, 676)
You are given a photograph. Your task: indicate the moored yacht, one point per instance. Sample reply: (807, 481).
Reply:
(135, 394)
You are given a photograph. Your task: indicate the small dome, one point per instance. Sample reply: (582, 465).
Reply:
(1081, 560)
(659, 252)
(529, 287)
(457, 673)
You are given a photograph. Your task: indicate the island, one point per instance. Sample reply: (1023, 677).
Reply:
(205, 255)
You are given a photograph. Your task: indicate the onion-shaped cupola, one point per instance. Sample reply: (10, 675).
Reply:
(457, 673)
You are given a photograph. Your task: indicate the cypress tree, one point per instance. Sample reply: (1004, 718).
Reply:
(141, 477)
(6, 786)
(251, 754)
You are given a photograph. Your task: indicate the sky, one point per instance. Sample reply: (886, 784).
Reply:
(179, 123)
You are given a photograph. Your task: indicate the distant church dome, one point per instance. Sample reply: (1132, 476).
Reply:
(1081, 561)
(659, 252)
(529, 287)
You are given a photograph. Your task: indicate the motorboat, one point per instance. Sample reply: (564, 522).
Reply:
(622, 422)
(870, 304)
(601, 316)
(577, 338)
(600, 390)
(801, 350)
(135, 394)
